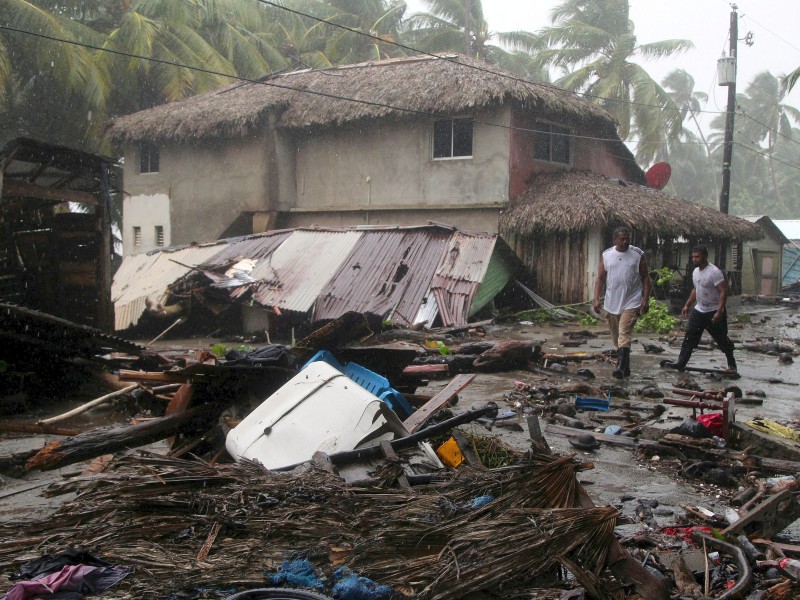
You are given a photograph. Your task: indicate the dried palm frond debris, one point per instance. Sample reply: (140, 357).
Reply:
(188, 524)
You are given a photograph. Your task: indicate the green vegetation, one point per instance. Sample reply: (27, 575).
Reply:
(219, 350)
(657, 319)
(60, 86)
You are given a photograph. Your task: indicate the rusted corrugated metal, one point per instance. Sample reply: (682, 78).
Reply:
(255, 247)
(292, 277)
(143, 275)
(459, 273)
(407, 274)
(388, 273)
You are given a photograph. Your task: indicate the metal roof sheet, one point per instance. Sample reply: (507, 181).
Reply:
(254, 246)
(406, 273)
(388, 272)
(143, 275)
(296, 272)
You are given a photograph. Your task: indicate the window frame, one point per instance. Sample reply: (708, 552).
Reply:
(159, 236)
(452, 136)
(149, 158)
(137, 236)
(566, 132)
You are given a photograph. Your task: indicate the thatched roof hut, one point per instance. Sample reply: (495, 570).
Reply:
(388, 89)
(563, 221)
(574, 201)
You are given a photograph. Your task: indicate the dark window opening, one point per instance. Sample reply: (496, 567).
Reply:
(452, 138)
(551, 143)
(148, 158)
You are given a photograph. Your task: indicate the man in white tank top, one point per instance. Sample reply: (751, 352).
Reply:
(623, 271)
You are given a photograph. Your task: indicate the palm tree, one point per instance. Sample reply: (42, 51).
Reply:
(594, 43)
(357, 30)
(43, 76)
(680, 87)
(459, 26)
(767, 119)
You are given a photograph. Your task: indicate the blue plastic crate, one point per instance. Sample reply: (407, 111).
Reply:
(369, 380)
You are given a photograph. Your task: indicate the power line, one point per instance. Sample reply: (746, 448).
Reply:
(770, 157)
(767, 127)
(289, 88)
(476, 67)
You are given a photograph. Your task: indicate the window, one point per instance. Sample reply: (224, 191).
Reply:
(148, 158)
(452, 138)
(159, 235)
(551, 143)
(137, 236)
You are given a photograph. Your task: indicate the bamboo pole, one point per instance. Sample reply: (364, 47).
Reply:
(89, 405)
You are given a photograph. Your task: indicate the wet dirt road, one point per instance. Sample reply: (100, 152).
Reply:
(618, 478)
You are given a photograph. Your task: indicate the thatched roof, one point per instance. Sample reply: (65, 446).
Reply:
(573, 201)
(393, 88)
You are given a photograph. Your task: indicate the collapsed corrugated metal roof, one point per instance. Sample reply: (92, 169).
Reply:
(408, 274)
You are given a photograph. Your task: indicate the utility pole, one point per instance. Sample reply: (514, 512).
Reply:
(727, 152)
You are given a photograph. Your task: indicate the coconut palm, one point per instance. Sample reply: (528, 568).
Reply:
(356, 30)
(44, 76)
(680, 86)
(459, 26)
(594, 43)
(767, 118)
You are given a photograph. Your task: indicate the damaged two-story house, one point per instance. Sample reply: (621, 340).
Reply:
(403, 141)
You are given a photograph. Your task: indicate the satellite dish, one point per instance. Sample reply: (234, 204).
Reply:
(657, 176)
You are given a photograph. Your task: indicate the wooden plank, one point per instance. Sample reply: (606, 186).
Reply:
(614, 440)
(23, 189)
(470, 457)
(425, 369)
(766, 519)
(420, 416)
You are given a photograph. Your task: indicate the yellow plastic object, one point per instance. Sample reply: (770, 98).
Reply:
(450, 454)
(773, 428)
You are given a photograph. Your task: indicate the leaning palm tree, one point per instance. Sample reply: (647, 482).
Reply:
(767, 119)
(594, 43)
(459, 26)
(680, 86)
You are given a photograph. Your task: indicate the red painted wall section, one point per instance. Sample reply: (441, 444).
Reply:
(588, 154)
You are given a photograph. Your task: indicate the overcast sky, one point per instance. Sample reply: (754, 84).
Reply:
(774, 24)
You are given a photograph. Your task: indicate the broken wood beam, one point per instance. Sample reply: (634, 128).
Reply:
(768, 518)
(36, 428)
(614, 440)
(106, 441)
(425, 369)
(87, 406)
(421, 415)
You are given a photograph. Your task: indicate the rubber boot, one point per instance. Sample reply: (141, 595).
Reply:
(619, 369)
(626, 362)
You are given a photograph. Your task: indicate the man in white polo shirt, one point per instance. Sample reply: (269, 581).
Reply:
(623, 272)
(710, 294)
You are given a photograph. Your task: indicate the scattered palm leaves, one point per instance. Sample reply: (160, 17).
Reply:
(188, 524)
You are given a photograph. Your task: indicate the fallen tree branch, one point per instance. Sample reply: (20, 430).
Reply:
(89, 405)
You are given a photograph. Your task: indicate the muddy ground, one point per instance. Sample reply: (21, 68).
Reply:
(619, 477)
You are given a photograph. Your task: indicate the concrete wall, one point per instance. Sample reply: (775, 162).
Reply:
(587, 154)
(363, 175)
(206, 186)
(145, 211)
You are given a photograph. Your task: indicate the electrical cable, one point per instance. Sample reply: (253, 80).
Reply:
(263, 81)
(476, 67)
